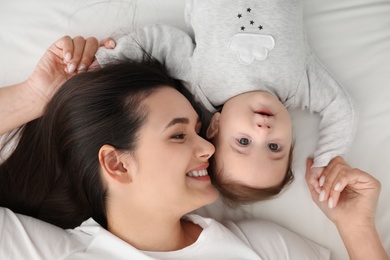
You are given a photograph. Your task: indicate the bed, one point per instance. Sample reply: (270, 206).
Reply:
(350, 37)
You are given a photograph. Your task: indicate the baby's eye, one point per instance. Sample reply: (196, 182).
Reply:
(274, 147)
(244, 141)
(178, 136)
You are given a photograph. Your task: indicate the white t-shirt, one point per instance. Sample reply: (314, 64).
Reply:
(23, 237)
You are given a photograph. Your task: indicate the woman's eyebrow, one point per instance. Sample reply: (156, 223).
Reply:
(179, 120)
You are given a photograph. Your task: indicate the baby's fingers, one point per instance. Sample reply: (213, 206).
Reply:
(108, 43)
(308, 178)
(315, 178)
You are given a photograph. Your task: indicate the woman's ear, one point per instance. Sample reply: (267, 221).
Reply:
(113, 164)
(213, 128)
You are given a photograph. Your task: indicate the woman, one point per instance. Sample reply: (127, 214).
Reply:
(121, 144)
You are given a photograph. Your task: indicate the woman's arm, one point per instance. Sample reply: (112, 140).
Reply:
(23, 102)
(349, 198)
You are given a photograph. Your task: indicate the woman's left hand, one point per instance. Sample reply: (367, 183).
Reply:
(348, 196)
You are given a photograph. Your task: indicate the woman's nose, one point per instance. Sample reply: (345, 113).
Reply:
(205, 148)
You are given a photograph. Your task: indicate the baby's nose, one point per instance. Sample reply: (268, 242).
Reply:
(264, 126)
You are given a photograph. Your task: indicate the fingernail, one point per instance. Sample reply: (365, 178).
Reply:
(71, 68)
(111, 43)
(322, 181)
(322, 195)
(68, 56)
(330, 203)
(337, 187)
(82, 67)
(318, 189)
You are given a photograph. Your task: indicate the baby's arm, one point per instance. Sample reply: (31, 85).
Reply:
(338, 113)
(170, 46)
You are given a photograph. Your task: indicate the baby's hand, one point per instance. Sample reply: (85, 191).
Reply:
(108, 43)
(315, 178)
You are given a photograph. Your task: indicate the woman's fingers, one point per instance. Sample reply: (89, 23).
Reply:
(352, 194)
(77, 53)
(339, 184)
(329, 180)
(63, 48)
(90, 48)
(78, 49)
(338, 176)
(336, 180)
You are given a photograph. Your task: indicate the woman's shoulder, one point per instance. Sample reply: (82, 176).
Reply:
(208, 224)
(24, 237)
(271, 240)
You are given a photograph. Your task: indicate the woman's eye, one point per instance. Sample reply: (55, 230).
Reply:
(274, 147)
(178, 136)
(244, 141)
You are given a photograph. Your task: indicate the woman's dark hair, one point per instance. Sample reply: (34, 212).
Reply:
(54, 172)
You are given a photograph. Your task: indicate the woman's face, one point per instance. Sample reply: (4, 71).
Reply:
(171, 157)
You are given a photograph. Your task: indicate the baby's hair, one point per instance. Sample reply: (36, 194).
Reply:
(235, 194)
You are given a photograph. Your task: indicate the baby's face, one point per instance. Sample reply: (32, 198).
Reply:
(253, 139)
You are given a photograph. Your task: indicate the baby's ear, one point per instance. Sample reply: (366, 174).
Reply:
(213, 128)
(114, 165)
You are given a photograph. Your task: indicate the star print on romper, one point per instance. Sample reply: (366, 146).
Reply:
(251, 22)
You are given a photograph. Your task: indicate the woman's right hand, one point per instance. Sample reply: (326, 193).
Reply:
(25, 101)
(62, 59)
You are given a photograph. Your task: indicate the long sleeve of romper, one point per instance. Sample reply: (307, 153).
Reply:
(320, 93)
(170, 46)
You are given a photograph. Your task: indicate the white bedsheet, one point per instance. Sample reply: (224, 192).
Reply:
(351, 37)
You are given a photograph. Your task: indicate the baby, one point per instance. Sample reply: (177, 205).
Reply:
(250, 63)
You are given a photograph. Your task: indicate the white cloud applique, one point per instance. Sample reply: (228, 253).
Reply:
(249, 46)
